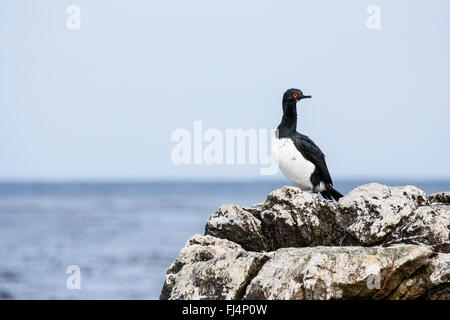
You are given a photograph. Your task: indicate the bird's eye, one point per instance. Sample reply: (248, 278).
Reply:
(295, 95)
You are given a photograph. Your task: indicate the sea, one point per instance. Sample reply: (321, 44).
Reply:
(113, 240)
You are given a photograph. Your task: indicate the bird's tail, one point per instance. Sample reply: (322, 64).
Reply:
(331, 193)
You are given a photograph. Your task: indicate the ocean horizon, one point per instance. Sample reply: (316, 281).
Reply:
(123, 235)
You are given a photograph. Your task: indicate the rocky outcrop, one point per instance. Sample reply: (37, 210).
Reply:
(378, 242)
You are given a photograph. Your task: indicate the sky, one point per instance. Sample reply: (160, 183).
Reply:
(103, 101)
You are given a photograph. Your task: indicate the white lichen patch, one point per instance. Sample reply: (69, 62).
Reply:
(377, 209)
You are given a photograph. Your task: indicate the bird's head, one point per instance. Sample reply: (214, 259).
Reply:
(291, 96)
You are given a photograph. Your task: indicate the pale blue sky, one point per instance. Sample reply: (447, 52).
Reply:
(102, 102)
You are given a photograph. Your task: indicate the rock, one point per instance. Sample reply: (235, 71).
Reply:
(291, 247)
(432, 281)
(238, 225)
(335, 272)
(288, 218)
(441, 197)
(429, 225)
(369, 215)
(209, 268)
(370, 212)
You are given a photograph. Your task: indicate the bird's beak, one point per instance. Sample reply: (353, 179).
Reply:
(306, 97)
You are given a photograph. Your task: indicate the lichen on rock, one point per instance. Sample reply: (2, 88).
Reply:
(291, 247)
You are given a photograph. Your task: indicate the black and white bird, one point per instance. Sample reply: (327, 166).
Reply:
(300, 160)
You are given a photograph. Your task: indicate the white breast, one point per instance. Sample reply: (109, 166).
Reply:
(291, 162)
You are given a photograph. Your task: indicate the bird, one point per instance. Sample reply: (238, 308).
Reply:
(298, 157)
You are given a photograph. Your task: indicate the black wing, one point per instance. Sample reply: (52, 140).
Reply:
(311, 152)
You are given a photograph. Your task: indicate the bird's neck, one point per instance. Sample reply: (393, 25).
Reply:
(288, 123)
